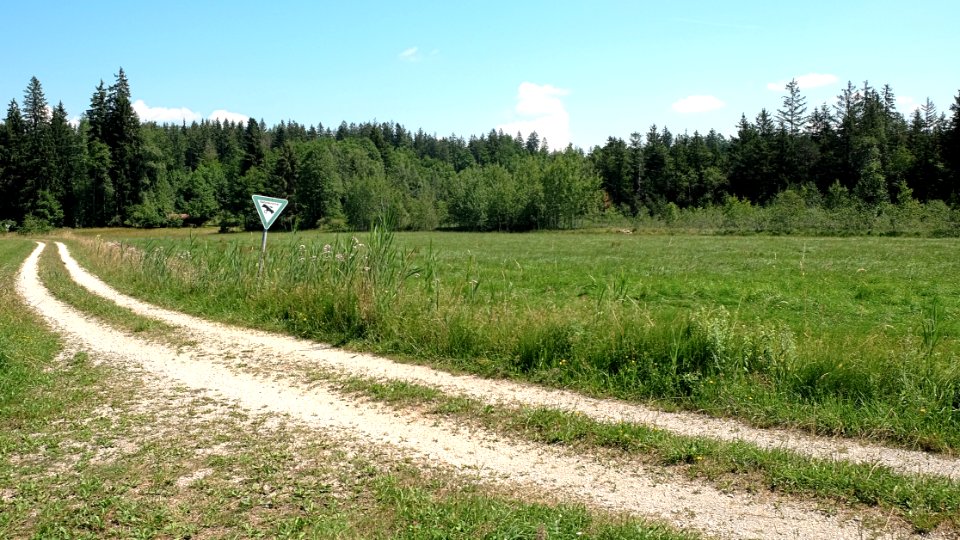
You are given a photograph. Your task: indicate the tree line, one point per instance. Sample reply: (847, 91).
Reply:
(112, 169)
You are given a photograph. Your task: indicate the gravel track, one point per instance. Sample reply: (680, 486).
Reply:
(302, 352)
(623, 486)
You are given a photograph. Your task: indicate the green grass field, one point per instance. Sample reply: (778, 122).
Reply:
(852, 336)
(86, 453)
(924, 502)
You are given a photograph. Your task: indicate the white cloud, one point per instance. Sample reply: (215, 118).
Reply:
(907, 104)
(698, 104)
(410, 55)
(414, 54)
(810, 80)
(225, 116)
(544, 112)
(164, 115)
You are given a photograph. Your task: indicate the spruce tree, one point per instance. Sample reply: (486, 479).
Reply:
(38, 155)
(253, 147)
(122, 136)
(66, 166)
(792, 117)
(12, 157)
(930, 119)
(35, 109)
(97, 113)
(951, 149)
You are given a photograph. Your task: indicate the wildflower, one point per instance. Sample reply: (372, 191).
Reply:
(327, 248)
(302, 247)
(340, 257)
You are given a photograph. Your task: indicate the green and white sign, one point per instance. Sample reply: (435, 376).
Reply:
(268, 208)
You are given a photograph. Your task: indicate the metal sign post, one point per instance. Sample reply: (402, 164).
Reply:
(268, 208)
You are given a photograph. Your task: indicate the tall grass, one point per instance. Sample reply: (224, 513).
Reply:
(61, 479)
(837, 354)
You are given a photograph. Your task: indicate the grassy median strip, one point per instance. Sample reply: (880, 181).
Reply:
(90, 452)
(28, 392)
(925, 502)
(55, 277)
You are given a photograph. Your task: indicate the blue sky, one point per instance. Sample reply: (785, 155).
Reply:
(574, 71)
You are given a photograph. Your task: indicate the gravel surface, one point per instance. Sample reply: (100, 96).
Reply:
(211, 367)
(301, 352)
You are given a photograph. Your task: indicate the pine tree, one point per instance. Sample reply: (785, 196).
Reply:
(636, 172)
(924, 174)
(97, 113)
(930, 119)
(951, 149)
(121, 133)
(253, 147)
(657, 168)
(66, 166)
(36, 121)
(872, 186)
(823, 136)
(889, 101)
(792, 117)
(849, 109)
(12, 159)
(35, 109)
(611, 162)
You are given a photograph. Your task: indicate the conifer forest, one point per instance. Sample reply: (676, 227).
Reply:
(857, 165)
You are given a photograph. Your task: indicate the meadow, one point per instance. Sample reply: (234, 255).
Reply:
(842, 336)
(80, 457)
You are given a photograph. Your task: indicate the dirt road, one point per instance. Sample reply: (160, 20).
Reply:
(218, 364)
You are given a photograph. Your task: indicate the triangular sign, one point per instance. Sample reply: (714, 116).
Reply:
(268, 208)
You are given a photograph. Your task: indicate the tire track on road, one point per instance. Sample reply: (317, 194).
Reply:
(511, 393)
(630, 487)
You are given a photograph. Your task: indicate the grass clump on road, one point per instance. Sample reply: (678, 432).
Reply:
(820, 334)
